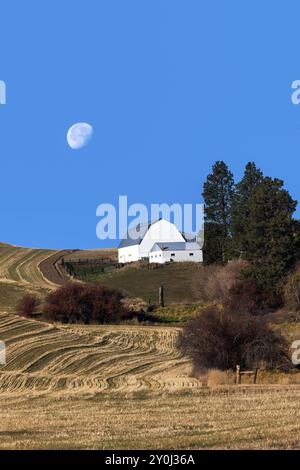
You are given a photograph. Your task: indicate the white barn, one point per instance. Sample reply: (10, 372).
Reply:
(158, 242)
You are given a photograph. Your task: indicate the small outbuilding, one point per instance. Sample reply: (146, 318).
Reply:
(175, 251)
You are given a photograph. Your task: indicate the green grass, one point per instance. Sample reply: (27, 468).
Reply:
(177, 313)
(181, 281)
(91, 273)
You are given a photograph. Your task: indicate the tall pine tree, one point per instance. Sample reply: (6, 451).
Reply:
(218, 193)
(241, 208)
(272, 234)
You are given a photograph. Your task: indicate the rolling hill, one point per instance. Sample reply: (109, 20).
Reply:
(51, 357)
(38, 271)
(120, 386)
(181, 281)
(29, 270)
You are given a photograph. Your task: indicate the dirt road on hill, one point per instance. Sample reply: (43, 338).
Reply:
(52, 269)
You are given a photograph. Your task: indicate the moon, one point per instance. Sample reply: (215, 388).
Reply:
(79, 135)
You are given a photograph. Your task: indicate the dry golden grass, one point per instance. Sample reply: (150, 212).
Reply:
(216, 377)
(237, 418)
(100, 253)
(127, 387)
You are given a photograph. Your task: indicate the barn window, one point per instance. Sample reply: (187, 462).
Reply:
(172, 254)
(191, 254)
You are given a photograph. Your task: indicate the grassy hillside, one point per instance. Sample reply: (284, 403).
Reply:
(180, 280)
(27, 270)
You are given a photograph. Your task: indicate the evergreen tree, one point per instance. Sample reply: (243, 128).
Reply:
(218, 192)
(272, 235)
(241, 208)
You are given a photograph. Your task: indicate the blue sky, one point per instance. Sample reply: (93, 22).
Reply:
(169, 87)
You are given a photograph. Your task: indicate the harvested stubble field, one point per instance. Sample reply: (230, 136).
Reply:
(120, 387)
(21, 266)
(245, 419)
(70, 359)
(127, 387)
(29, 270)
(20, 273)
(101, 253)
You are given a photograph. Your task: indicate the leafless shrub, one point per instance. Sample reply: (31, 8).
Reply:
(200, 279)
(219, 340)
(222, 279)
(27, 305)
(84, 303)
(243, 297)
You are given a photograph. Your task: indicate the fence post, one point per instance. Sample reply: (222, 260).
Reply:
(238, 375)
(161, 296)
(255, 375)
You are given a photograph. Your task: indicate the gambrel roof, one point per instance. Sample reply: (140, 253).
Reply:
(135, 235)
(175, 246)
(140, 230)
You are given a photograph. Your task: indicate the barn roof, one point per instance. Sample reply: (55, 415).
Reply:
(131, 238)
(135, 235)
(175, 246)
(172, 246)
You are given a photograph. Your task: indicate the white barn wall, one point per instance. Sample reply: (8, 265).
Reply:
(180, 256)
(161, 231)
(128, 254)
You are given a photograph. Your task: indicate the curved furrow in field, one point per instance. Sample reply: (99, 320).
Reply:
(29, 272)
(43, 357)
(22, 266)
(7, 259)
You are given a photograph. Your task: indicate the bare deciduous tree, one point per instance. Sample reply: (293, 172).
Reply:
(217, 339)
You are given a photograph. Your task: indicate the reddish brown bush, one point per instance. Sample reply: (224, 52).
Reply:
(84, 303)
(27, 305)
(217, 339)
(245, 297)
